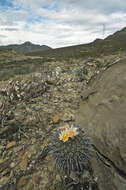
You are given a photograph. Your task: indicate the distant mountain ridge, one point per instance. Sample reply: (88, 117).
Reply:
(26, 47)
(110, 45)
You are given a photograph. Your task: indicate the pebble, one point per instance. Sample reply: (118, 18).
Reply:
(1, 103)
(4, 180)
(37, 180)
(23, 164)
(11, 144)
(22, 182)
(12, 165)
(56, 119)
(68, 117)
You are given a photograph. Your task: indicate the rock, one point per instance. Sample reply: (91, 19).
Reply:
(68, 117)
(4, 130)
(1, 161)
(103, 114)
(1, 149)
(1, 103)
(27, 155)
(21, 182)
(58, 71)
(23, 164)
(3, 180)
(12, 165)
(56, 119)
(48, 158)
(37, 180)
(22, 90)
(45, 177)
(11, 144)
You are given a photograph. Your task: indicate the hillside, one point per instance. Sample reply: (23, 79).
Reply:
(110, 45)
(25, 47)
(40, 94)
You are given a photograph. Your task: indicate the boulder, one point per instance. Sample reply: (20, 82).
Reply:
(103, 113)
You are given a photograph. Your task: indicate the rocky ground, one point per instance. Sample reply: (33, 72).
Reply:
(31, 106)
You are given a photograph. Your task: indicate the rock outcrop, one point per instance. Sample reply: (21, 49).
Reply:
(103, 114)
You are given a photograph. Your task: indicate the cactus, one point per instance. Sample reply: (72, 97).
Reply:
(70, 148)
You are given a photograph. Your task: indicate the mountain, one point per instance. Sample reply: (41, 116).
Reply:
(110, 45)
(26, 47)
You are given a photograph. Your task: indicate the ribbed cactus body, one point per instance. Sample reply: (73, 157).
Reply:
(72, 152)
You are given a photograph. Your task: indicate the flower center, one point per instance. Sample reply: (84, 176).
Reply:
(65, 137)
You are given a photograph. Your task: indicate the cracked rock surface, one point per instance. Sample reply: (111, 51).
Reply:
(103, 114)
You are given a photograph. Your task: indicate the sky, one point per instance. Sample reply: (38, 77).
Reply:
(59, 23)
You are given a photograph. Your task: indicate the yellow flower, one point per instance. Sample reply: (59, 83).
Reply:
(64, 136)
(67, 132)
(72, 132)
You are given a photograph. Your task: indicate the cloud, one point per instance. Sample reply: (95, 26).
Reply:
(9, 29)
(104, 6)
(60, 23)
(3, 36)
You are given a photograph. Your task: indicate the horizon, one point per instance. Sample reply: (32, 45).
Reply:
(59, 24)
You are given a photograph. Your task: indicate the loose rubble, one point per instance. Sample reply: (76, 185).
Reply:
(30, 107)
